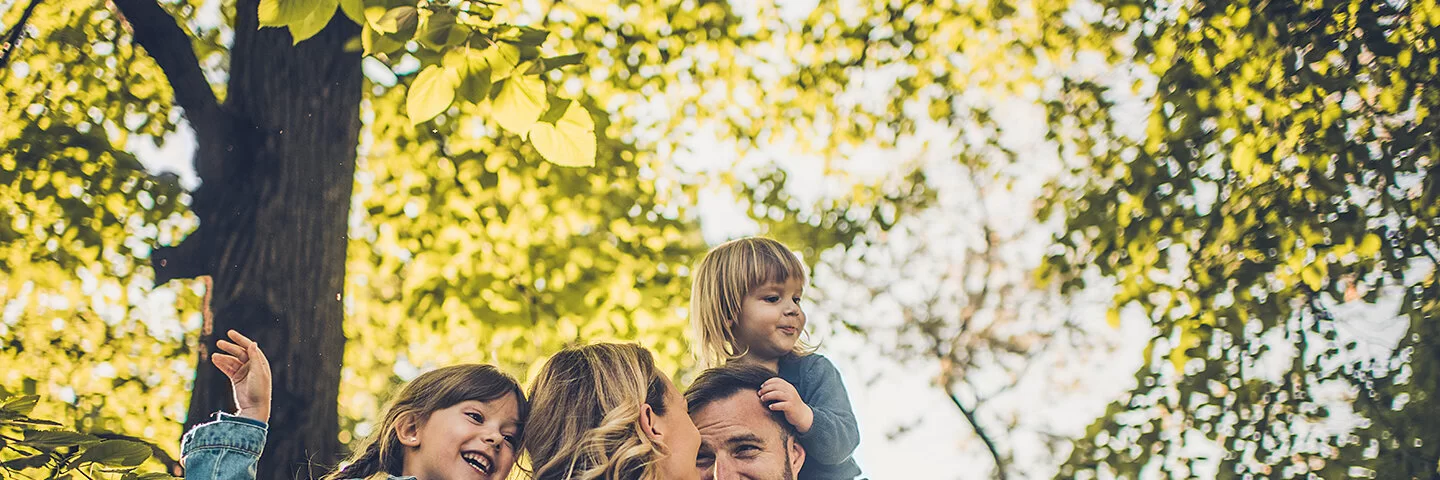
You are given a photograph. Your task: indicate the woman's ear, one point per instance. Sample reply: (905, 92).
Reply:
(649, 422)
(408, 430)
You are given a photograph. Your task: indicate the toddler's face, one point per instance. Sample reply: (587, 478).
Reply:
(771, 319)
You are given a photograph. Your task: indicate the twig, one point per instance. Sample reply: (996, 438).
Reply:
(12, 41)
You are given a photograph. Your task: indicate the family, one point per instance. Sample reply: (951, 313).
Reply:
(767, 408)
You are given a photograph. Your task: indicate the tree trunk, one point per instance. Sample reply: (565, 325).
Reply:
(277, 162)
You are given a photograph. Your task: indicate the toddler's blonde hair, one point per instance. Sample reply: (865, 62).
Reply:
(722, 279)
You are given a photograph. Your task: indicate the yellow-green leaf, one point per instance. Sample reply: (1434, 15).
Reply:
(279, 13)
(355, 9)
(569, 142)
(440, 31)
(1369, 246)
(314, 22)
(1113, 318)
(431, 93)
(503, 59)
(375, 42)
(474, 71)
(402, 20)
(520, 103)
(1312, 276)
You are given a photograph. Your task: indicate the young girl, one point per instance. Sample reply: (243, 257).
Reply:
(745, 307)
(457, 422)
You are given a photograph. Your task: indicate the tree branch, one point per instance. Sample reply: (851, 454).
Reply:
(162, 37)
(969, 414)
(17, 33)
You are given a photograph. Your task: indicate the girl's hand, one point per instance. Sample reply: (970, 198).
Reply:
(249, 374)
(781, 396)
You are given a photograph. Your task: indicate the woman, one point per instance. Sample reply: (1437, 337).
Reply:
(604, 411)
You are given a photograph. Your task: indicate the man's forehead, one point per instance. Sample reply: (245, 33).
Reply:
(734, 416)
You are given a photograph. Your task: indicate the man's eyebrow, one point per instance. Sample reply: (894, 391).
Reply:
(743, 438)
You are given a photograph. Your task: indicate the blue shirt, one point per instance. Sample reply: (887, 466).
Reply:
(834, 434)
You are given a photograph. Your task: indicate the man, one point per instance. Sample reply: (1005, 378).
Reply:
(739, 437)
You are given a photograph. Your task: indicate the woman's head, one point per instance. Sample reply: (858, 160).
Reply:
(604, 411)
(718, 298)
(456, 422)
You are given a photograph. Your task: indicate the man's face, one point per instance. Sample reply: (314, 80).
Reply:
(740, 440)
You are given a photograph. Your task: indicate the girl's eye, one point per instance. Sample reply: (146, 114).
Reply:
(796, 299)
(478, 418)
(510, 439)
(772, 299)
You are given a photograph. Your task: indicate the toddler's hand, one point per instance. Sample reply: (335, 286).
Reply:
(249, 374)
(781, 396)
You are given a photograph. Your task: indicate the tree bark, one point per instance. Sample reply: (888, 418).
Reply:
(277, 164)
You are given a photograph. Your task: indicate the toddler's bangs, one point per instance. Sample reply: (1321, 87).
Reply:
(771, 262)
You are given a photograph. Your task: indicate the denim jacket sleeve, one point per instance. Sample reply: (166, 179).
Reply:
(226, 448)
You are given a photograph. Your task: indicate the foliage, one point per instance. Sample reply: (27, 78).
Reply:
(1288, 165)
(78, 217)
(30, 446)
(468, 54)
(458, 234)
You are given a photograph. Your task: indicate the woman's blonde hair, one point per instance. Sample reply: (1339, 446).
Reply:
(382, 452)
(587, 404)
(724, 276)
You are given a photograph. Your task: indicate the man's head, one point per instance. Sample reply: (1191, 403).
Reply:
(740, 438)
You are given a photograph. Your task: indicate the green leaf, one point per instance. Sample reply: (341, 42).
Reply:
(502, 58)
(474, 72)
(116, 453)
(279, 13)
(52, 439)
(400, 20)
(355, 9)
(1369, 246)
(314, 22)
(474, 85)
(440, 31)
(551, 63)
(1312, 276)
(520, 102)
(570, 142)
(375, 42)
(431, 93)
(528, 37)
(33, 461)
(21, 405)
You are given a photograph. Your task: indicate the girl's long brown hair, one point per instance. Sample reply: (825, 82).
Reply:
(434, 390)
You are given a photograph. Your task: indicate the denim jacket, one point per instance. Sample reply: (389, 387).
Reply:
(226, 448)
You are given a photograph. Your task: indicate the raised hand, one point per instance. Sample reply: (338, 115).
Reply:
(780, 396)
(249, 372)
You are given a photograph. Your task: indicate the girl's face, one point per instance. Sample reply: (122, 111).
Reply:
(681, 438)
(471, 440)
(770, 320)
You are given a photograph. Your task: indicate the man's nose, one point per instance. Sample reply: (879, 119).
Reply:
(724, 469)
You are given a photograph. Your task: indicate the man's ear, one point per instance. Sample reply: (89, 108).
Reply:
(797, 455)
(408, 430)
(649, 422)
